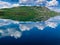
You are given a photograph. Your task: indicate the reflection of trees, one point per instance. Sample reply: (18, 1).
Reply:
(20, 13)
(2, 12)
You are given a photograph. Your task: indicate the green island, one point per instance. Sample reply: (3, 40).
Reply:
(27, 13)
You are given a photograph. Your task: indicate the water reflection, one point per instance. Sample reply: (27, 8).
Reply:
(15, 28)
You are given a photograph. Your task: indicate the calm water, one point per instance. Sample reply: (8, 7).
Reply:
(30, 33)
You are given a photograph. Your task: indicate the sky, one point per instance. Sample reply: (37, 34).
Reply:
(51, 4)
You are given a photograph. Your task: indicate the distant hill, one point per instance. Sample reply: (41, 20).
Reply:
(27, 13)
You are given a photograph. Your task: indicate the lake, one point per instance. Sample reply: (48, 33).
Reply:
(30, 33)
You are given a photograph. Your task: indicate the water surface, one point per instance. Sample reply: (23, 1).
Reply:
(30, 33)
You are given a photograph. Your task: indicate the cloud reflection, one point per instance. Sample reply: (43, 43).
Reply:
(15, 28)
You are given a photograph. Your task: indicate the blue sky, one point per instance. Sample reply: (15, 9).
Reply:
(11, 1)
(51, 4)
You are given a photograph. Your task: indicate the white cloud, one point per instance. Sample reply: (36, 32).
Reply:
(10, 32)
(56, 9)
(31, 2)
(24, 27)
(1, 31)
(28, 26)
(4, 4)
(4, 22)
(23, 1)
(55, 19)
(28, 3)
(17, 34)
(15, 5)
(40, 27)
(51, 24)
(7, 5)
(40, 1)
(14, 33)
(52, 3)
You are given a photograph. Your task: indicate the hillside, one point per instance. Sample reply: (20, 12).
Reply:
(27, 13)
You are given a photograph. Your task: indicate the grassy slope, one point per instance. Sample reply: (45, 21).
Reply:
(25, 13)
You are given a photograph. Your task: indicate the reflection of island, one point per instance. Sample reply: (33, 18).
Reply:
(16, 28)
(27, 13)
